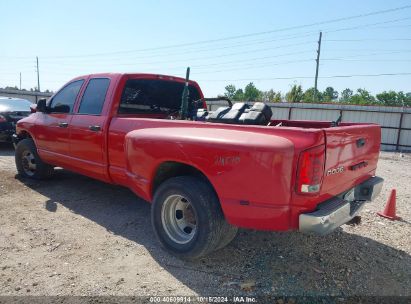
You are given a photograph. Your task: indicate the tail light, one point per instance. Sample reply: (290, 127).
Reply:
(3, 119)
(310, 170)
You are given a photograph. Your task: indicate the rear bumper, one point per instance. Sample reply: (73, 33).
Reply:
(340, 209)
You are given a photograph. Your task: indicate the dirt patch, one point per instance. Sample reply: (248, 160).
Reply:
(76, 236)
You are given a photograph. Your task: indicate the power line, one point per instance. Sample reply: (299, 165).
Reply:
(309, 77)
(253, 66)
(367, 60)
(244, 35)
(205, 57)
(250, 59)
(259, 41)
(233, 62)
(252, 42)
(373, 39)
(371, 54)
(199, 50)
(366, 25)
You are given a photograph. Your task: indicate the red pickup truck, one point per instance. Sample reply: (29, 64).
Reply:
(205, 173)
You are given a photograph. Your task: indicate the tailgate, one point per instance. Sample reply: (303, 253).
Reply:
(351, 156)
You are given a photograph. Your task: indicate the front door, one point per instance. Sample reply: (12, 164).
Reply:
(52, 128)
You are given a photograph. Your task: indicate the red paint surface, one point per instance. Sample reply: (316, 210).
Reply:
(257, 164)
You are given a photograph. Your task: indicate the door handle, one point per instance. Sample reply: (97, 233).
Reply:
(95, 128)
(63, 124)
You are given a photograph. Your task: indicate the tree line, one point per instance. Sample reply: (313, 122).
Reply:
(30, 90)
(329, 95)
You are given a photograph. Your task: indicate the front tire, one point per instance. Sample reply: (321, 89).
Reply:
(187, 217)
(28, 161)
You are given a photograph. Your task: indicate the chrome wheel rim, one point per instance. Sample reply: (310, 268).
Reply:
(179, 219)
(29, 163)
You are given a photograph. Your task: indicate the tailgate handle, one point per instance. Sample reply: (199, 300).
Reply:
(360, 142)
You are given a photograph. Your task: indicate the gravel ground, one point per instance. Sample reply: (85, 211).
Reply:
(77, 236)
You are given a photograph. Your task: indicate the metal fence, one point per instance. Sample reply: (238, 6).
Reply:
(395, 121)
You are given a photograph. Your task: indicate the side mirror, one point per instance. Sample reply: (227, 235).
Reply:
(41, 105)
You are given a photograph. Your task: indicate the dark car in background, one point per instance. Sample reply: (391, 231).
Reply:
(11, 111)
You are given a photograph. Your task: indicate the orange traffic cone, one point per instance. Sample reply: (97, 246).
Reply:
(389, 211)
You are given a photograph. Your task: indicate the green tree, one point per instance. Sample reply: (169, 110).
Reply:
(329, 94)
(251, 93)
(308, 95)
(230, 91)
(407, 101)
(362, 97)
(271, 96)
(11, 88)
(277, 97)
(295, 94)
(238, 95)
(390, 98)
(405, 98)
(346, 95)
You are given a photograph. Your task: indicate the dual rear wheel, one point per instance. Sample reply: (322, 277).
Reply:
(187, 218)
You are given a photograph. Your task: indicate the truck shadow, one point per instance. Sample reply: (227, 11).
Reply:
(279, 263)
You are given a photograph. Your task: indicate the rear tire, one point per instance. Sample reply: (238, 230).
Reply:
(187, 217)
(29, 163)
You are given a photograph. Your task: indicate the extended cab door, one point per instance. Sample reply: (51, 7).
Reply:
(52, 128)
(88, 129)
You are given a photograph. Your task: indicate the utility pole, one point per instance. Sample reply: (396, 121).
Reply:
(316, 69)
(38, 74)
(20, 81)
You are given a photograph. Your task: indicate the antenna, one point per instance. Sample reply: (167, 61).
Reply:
(184, 97)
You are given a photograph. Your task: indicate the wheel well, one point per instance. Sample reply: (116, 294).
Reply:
(173, 169)
(24, 134)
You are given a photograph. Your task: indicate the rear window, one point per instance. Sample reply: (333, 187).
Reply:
(14, 105)
(154, 96)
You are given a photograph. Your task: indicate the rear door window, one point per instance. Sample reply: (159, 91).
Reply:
(94, 96)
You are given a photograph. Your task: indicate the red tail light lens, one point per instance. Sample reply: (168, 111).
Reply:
(310, 170)
(3, 119)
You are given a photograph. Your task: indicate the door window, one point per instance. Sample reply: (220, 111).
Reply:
(64, 100)
(94, 96)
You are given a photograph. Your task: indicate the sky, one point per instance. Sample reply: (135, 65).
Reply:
(270, 43)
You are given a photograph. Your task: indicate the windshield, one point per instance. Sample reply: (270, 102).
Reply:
(14, 105)
(154, 96)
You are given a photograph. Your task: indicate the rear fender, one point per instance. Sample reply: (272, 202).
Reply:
(250, 172)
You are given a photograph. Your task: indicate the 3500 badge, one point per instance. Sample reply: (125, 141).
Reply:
(335, 170)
